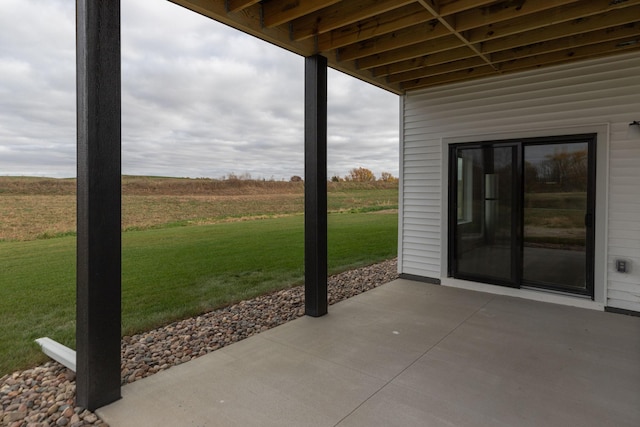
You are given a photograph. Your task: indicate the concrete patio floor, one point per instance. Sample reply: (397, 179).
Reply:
(408, 354)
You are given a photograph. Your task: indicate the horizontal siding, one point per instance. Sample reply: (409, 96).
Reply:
(616, 106)
(512, 101)
(629, 297)
(624, 304)
(513, 107)
(603, 91)
(625, 234)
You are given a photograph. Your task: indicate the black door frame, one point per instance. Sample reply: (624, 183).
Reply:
(453, 219)
(518, 226)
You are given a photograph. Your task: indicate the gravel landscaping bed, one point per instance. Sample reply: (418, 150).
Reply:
(45, 395)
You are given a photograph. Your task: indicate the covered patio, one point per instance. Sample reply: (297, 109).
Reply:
(408, 354)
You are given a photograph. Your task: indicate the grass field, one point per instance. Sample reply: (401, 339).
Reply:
(555, 220)
(39, 208)
(171, 272)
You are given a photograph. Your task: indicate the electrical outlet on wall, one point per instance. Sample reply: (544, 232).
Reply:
(622, 266)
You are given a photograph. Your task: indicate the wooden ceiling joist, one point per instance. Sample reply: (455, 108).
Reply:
(374, 27)
(578, 11)
(451, 55)
(462, 5)
(408, 52)
(434, 70)
(405, 37)
(450, 24)
(504, 12)
(579, 52)
(575, 27)
(341, 15)
(403, 45)
(458, 76)
(571, 42)
(276, 12)
(238, 5)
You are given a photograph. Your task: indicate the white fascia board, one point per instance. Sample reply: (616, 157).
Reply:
(58, 352)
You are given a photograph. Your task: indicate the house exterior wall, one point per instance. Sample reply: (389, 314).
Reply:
(598, 96)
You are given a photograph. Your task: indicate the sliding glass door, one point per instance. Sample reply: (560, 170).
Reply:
(485, 236)
(558, 219)
(521, 213)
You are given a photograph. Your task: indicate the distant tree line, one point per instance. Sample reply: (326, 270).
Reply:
(357, 175)
(364, 175)
(562, 171)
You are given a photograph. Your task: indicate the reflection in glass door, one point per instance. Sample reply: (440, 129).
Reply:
(485, 241)
(557, 216)
(521, 213)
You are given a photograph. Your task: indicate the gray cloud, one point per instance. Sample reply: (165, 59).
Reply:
(199, 99)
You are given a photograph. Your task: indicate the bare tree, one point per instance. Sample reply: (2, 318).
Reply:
(387, 177)
(360, 175)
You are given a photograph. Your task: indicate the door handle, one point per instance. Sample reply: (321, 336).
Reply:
(588, 220)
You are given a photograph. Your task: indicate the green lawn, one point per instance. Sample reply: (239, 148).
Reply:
(569, 200)
(172, 273)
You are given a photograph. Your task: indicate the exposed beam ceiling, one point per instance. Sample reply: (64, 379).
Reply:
(402, 45)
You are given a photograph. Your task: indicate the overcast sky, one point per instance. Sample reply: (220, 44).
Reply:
(198, 99)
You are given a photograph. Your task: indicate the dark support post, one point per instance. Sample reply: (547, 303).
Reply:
(315, 188)
(98, 283)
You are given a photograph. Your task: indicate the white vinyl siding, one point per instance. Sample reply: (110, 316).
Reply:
(574, 98)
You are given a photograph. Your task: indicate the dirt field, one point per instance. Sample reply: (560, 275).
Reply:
(37, 208)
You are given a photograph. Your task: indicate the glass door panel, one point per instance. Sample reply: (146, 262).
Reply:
(521, 213)
(484, 225)
(555, 236)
